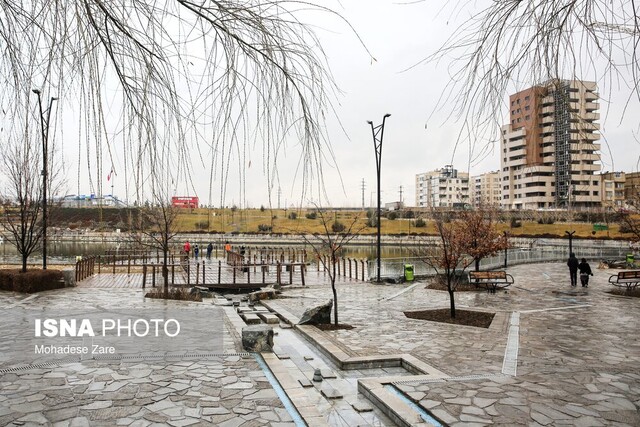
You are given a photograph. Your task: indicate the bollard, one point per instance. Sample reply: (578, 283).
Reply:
(303, 267)
(219, 270)
(291, 267)
(197, 273)
(153, 276)
(203, 273)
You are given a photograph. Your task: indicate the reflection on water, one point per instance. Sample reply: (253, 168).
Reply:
(66, 252)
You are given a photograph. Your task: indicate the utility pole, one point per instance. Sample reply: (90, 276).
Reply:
(400, 207)
(44, 125)
(279, 193)
(363, 186)
(378, 133)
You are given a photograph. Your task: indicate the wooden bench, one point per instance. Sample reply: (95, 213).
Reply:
(629, 279)
(491, 280)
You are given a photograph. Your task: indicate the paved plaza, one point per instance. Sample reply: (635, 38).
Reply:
(554, 355)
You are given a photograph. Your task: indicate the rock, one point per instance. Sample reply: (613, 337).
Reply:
(69, 276)
(257, 338)
(319, 315)
(266, 293)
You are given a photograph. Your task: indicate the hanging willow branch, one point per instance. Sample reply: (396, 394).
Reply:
(193, 79)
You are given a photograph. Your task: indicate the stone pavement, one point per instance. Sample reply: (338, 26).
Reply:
(553, 356)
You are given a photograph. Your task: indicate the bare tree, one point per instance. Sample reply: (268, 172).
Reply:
(328, 245)
(509, 42)
(22, 205)
(209, 81)
(156, 227)
(449, 257)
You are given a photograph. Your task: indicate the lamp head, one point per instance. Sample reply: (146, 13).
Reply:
(370, 122)
(36, 91)
(387, 115)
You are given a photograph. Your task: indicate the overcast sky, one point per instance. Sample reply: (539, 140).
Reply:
(398, 36)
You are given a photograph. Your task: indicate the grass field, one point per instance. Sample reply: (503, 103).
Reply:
(248, 221)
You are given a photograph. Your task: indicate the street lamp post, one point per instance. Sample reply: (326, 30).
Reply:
(570, 234)
(378, 132)
(44, 125)
(506, 248)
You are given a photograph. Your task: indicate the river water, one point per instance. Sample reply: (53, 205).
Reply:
(66, 252)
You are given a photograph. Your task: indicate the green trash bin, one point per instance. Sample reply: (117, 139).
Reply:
(408, 272)
(631, 259)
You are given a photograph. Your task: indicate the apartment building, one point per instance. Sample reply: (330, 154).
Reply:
(613, 185)
(486, 189)
(550, 150)
(632, 189)
(445, 188)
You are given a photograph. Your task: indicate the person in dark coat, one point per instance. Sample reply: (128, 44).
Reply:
(585, 272)
(196, 251)
(209, 250)
(573, 268)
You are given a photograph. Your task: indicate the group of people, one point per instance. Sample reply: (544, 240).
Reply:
(582, 266)
(196, 249)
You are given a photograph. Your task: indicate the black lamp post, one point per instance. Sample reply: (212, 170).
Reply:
(570, 234)
(44, 125)
(378, 133)
(506, 248)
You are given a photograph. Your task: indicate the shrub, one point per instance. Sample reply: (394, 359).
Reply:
(202, 225)
(261, 208)
(32, 281)
(409, 214)
(180, 294)
(371, 213)
(420, 222)
(293, 215)
(372, 222)
(311, 215)
(264, 228)
(515, 223)
(337, 227)
(392, 215)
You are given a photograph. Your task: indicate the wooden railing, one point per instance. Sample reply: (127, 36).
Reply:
(85, 267)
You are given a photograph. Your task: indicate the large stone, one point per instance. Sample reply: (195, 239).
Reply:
(257, 338)
(266, 293)
(319, 315)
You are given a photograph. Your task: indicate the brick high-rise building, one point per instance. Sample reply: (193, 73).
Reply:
(550, 150)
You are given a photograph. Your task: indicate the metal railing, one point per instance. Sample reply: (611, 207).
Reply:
(394, 267)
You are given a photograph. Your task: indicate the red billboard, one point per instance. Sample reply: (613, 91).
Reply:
(184, 202)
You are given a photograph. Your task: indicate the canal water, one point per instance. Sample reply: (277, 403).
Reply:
(66, 252)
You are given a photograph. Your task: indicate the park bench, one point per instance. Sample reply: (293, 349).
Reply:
(491, 280)
(630, 279)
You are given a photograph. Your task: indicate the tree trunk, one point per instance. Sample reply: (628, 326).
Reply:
(333, 289)
(24, 263)
(477, 260)
(452, 303)
(165, 270)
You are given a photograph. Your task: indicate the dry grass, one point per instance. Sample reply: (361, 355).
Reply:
(180, 294)
(248, 220)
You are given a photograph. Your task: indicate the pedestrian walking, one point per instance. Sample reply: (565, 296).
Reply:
(209, 250)
(227, 246)
(187, 248)
(573, 263)
(585, 272)
(196, 251)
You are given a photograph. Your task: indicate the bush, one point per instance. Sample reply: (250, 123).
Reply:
(261, 208)
(180, 294)
(32, 281)
(371, 213)
(409, 214)
(515, 223)
(372, 222)
(392, 215)
(293, 215)
(311, 215)
(202, 225)
(264, 228)
(420, 222)
(337, 227)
